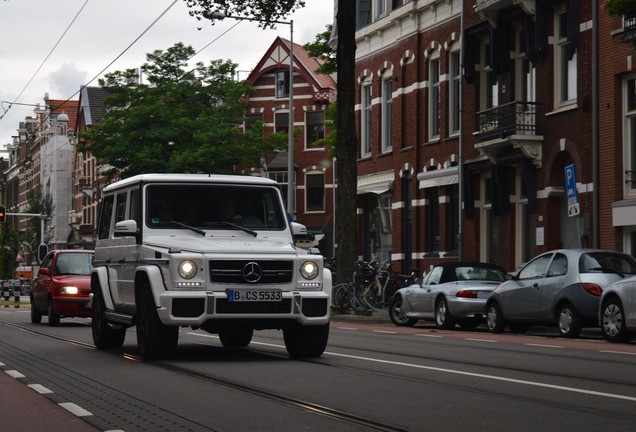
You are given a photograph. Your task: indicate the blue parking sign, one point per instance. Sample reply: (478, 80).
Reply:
(572, 192)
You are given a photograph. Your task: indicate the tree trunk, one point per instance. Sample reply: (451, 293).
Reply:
(346, 143)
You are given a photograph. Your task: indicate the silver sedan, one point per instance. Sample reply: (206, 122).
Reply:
(451, 293)
(559, 288)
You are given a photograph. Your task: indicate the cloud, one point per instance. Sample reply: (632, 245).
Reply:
(67, 79)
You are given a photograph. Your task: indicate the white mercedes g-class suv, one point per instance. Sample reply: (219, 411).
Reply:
(214, 252)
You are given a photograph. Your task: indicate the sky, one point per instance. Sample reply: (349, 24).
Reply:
(56, 47)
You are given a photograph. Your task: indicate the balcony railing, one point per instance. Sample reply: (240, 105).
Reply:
(514, 118)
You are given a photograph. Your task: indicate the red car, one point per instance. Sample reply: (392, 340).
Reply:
(62, 286)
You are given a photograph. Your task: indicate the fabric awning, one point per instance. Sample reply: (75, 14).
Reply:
(442, 177)
(375, 183)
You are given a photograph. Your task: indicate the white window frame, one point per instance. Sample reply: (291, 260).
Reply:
(282, 86)
(284, 125)
(525, 72)
(366, 110)
(565, 70)
(486, 220)
(434, 96)
(307, 145)
(629, 138)
(454, 91)
(387, 114)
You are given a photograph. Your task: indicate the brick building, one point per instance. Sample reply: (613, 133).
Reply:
(469, 113)
(313, 165)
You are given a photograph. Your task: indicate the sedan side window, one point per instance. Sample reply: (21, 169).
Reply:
(536, 268)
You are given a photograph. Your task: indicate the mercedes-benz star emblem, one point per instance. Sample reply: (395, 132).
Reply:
(252, 272)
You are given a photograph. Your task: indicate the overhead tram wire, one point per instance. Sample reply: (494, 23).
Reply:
(44, 61)
(118, 56)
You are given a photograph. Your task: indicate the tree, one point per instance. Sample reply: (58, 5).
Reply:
(183, 120)
(321, 49)
(266, 12)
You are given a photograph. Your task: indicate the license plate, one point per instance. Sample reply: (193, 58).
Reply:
(254, 295)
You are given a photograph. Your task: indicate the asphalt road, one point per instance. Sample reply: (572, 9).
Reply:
(373, 376)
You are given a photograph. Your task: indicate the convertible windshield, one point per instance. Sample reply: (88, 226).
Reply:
(189, 206)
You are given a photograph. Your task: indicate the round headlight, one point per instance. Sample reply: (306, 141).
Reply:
(309, 270)
(187, 269)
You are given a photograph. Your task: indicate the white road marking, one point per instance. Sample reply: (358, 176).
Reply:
(40, 388)
(384, 331)
(481, 340)
(14, 373)
(544, 345)
(75, 409)
(617, 352)
(347, 328)
(428, 335)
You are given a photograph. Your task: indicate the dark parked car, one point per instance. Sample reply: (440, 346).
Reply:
(558, 288)
(451, 293)
(62, 286)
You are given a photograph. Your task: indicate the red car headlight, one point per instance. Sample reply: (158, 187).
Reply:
(69, 290)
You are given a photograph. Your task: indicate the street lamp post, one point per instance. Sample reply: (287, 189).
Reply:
(290, 133)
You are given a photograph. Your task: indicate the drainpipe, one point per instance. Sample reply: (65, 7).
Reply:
(595, 143)
(460, 177)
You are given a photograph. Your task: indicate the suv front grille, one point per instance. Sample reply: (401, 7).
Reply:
(251, 271)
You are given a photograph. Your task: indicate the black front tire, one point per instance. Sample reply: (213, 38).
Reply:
(154, 339)
(306, 341)
(36, 315)
(104, 335)
(54, 319)
(236, 337)
(443, 319)
(613, 325)
(494, 318)
(397, 315)
(569, 321)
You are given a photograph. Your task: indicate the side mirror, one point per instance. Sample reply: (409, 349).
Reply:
(43, 271)
(126, 228)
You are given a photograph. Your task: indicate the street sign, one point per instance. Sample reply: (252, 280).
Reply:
(572, 192)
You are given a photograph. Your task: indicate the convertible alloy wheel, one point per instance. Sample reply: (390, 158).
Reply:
(396, 313)
(443, 319)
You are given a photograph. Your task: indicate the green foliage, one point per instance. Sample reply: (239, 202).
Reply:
(329, 141)
(321, 49)
(620, 7)
(265, 12)
(184, 120)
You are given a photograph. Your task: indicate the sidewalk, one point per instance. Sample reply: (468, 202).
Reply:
(26, 410)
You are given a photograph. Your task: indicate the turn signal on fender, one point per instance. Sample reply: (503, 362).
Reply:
(3, 214)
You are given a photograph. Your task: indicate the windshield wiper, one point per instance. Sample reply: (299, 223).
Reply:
(196, 230)
(242, 228)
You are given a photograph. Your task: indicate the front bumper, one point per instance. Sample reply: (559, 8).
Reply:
(197, 308)
(71, 306)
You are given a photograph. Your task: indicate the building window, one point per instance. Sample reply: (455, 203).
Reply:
(452, 219)
(564, 62)
(315, 192)
(630, 136)
(433, 99)
(282, 83)
(314, 127)
(281, 177)
(366, 120)
(488, 85)
(431, 225)
(487, 220)
(525, 73)
(455, 95)
(387, 115)
(281, 122)
(251, 120)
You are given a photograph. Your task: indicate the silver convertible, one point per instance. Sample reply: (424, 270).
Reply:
(450, 293)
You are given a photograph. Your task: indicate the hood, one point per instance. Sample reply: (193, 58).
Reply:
(238, 243)
(80, 281)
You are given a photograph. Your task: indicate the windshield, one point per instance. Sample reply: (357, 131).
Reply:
(213, 207)
(74, 264)
(597, 262)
